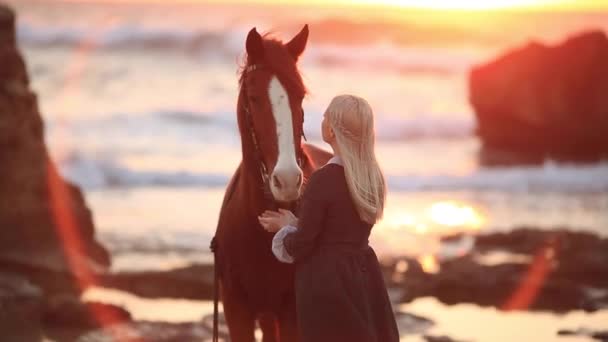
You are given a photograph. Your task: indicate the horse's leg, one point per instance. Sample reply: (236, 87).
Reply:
(239, 318)
(288, 322)
(269, 325)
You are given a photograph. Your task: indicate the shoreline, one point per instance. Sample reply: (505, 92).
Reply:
(420, 318)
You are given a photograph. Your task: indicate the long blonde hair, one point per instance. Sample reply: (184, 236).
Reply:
(352, 120)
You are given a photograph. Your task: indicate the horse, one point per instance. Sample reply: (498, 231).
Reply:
(253, 285)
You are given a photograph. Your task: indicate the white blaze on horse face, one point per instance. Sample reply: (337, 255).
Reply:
(285, 179)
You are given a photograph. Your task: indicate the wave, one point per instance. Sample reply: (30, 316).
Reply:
(417, 128)
(155, 242)
(148, 123)
(98, 174)
(124, 36)
(105, 173)
(228, 45)
(216, 124)
(548, 177)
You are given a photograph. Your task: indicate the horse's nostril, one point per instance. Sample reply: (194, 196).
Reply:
(276, 181)
(299, 179)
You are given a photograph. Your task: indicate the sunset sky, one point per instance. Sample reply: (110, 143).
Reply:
(466, 4)
(423, 4)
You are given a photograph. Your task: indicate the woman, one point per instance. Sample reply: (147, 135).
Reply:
(340, 292)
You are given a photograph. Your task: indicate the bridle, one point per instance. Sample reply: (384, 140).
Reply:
(268, 197)
(263, 171)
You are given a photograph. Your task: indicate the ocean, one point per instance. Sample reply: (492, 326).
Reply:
(139, 105)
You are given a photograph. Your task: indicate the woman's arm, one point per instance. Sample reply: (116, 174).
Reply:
(278, 245)
(313, 208)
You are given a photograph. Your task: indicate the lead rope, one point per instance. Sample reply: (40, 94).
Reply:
(213, 247)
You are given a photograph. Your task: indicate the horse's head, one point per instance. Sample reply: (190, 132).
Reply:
(270, 111)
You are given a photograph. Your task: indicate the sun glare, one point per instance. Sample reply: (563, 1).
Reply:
(429, 263)
(440, 217)
(453, 214)
(439, 5)
(462, 4)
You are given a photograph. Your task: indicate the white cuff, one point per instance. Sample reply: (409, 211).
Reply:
(278, 249)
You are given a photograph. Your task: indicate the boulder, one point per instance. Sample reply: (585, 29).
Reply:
(601, 335)
(70, 312)
(190, 282)
(46, 228)
(151, 332)
(568, 270)
(539, 102)
(21, 309)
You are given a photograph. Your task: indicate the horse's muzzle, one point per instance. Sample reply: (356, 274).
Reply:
(286, 184)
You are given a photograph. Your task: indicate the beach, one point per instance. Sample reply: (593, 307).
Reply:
(139, 113)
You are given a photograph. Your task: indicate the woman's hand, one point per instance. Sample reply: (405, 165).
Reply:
(272, 221)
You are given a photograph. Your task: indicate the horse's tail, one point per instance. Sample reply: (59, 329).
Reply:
(213, 247)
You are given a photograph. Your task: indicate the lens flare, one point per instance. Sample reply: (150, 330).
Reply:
(60, 195)
(534, 279)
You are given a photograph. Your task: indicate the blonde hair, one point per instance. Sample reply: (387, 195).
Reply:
(352, 120)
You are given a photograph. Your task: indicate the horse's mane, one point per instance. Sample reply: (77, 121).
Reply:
(275, 55)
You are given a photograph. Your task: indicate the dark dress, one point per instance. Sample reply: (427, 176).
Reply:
(340, 291)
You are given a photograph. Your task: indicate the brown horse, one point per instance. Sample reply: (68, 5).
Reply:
(254, 285)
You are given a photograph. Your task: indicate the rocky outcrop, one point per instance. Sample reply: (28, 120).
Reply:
(46, 228)
(540, 101)
(21, 308)
(152, 332)
(191, 282)
(595, 335)
(47, 238)
(563, 271)
(581, 257)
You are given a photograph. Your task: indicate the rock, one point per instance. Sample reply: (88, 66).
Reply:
(191, 282)
(150, 332)
(410, 324)
(70, 311)
(21, 309)
(540, 101)
(600, 335)
(463, 280)
(47, 230)
(566, 332)
(26, 315)
(14, 285)
(567, 270)
(47, 237)
(431, 338)
(222, 325)
(595, 299)
(596, 335)
(414, 281)
(582, 256)
(66, 317)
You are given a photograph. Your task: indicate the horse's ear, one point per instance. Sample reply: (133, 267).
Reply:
(254, 46)
(297, 45)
